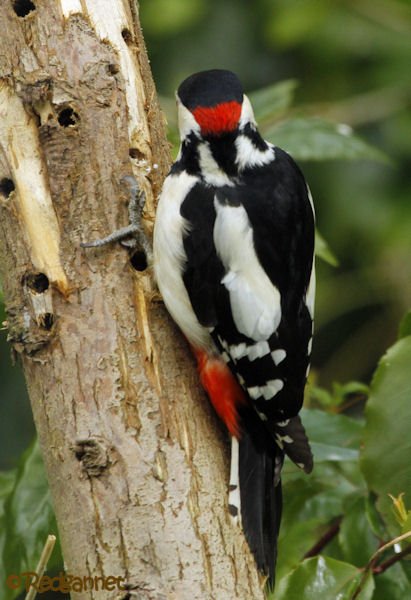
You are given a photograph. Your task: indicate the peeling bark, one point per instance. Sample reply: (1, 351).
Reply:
(136, 460)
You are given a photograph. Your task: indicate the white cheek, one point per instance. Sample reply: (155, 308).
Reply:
(247, 113)
(186, 121)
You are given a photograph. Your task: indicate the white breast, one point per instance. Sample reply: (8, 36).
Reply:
(169, 258)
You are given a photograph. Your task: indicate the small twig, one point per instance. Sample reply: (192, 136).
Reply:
(391, 561)
(385, 547)
(371, 563)
(353, 401)
(42, 564)
(324, 539)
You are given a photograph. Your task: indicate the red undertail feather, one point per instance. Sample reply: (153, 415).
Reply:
(222, 388)
(220, 118)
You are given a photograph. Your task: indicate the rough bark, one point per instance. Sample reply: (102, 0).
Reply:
(136, 460)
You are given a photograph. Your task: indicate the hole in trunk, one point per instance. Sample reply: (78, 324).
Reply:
(113, 68)
(127, 36)
(68, 117)
(23, 7)
(47, 321)
(6, 187)
(139, 260)
(37, 282)
(135, 153)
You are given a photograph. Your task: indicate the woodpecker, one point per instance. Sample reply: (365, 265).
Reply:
(233, 258)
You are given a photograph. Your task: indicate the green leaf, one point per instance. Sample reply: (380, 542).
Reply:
(385, 458)
(7, 482)
(28, 518)
(332, 429)
(295, 540)
(374, 518)
(269, 102)
(355, 536)
(393, 584)
(333, 437)
(405, 326)
(322, 578)
(329, 452)
(341, 393)
(313, 138)
(310, 504)
(323, 251)
(319, 397)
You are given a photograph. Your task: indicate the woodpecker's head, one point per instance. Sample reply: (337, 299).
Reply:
(211, 104)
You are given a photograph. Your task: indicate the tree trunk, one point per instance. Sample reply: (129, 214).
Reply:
(135, 457)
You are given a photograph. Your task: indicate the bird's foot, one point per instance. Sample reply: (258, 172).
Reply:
(133, 236)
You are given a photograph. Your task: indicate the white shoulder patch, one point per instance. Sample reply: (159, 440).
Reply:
(255, 301)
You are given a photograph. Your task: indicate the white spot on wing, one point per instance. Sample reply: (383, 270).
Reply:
(283, 439)
(258, 350)
(262, 416)
(286, 439)
(238, 351)
(278, 356)
(267, 391)
(223, 343)
(255, 301)
(254, 392)
(272, 388)
(225, 357)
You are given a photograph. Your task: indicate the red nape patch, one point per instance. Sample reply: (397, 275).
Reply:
(222, 388)
(218, 119)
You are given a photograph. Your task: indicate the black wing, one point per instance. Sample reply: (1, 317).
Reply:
(273, 372)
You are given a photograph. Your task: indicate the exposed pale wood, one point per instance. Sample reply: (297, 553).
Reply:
(136, 460)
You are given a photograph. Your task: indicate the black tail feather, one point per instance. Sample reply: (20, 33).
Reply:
(260, 461)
